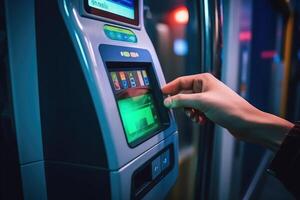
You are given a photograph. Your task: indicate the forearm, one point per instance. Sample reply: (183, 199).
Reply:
(267, 130)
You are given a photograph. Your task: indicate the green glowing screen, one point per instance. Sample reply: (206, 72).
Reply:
(139, 116)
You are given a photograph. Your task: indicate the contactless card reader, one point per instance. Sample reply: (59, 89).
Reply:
(106, 133)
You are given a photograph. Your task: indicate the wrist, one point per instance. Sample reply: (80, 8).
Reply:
(269, 130)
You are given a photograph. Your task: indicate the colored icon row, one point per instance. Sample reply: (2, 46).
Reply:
(120, 34)
(129, 79)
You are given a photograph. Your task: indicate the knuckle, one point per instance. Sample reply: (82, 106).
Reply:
(177, 79)
(208, 78)
(208, 75)
(204, 76)
(181, 80)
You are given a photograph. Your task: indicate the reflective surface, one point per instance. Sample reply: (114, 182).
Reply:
(174, 30)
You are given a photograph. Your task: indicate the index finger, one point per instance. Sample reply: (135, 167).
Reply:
(179, 84)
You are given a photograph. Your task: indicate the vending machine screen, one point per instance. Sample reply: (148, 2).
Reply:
(136, 103)
(120, 10)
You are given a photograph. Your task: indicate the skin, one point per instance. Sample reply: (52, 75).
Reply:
(204, 97)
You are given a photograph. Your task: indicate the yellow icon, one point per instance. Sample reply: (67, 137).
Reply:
(125, 54)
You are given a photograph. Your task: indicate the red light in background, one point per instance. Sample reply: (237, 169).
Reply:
(181, 15)
(245, 36)
(268, 54)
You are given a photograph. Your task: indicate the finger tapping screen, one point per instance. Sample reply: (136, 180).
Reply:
(135, 100)
(124, 8)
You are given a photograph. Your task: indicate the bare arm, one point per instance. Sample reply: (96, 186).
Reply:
(203, 95)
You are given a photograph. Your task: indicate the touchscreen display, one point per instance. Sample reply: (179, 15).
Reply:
(124, 8)
(120, 10)
(136, 103)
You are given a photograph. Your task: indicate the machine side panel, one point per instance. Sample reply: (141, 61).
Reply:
(24, 83)
(76, 182)
(23, 133)
(34, 183)
(71, 131)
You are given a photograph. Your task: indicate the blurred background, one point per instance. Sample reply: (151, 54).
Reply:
(251, 45)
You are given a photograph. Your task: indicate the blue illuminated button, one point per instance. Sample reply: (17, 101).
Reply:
(123, 80)
(111, 34)
(125, 37)
(156, 168)
(165, 160)
(146, 80)
(120, 34)
(131, 79)
(132, 38)
(124, 83)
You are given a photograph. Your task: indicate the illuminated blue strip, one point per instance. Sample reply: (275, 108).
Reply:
(81, 50)
(66, 8)
(206, 13)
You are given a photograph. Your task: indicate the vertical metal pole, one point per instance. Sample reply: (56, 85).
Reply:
(209, 17)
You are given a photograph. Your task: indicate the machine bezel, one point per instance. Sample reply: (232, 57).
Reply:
(115, 17)
(157, 94)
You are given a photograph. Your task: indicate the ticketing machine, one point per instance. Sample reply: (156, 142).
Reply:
(105, 133)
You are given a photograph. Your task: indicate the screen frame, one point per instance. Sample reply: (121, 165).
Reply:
(109, 15)
(162, 112)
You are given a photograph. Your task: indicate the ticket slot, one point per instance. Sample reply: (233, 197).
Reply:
(147, 176)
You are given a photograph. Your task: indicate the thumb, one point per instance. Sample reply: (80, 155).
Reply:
(184, 100)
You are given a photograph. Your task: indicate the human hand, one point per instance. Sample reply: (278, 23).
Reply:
(203, 95)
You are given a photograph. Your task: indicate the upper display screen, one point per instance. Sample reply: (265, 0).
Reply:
(120, 10)
(123, 8)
